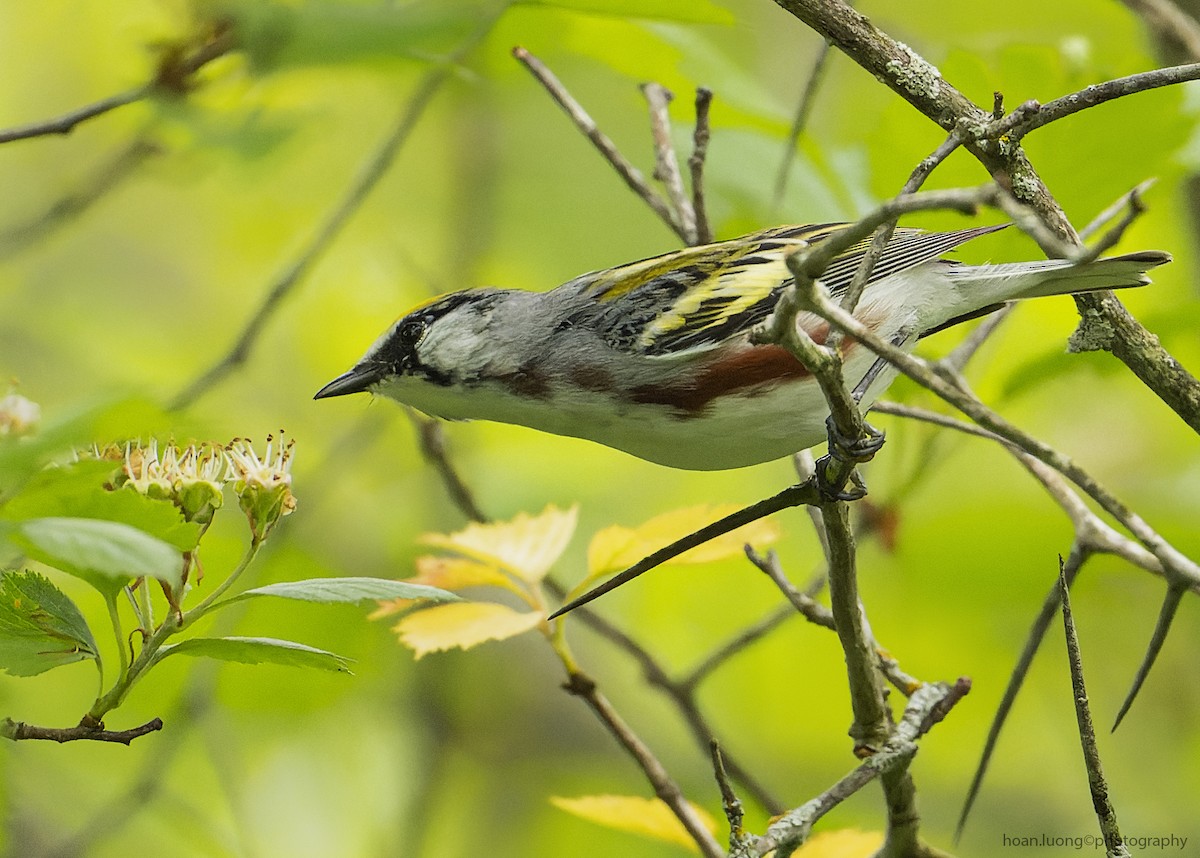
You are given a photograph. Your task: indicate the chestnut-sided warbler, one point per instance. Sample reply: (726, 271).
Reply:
(655, 357)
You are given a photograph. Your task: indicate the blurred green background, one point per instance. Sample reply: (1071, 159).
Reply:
(130, 273)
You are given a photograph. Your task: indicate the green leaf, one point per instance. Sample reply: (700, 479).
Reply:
(259, 651)
(276, 35)
(40, 627)
(685, 11)
(332, 591)
(77, 491)
(106, 554)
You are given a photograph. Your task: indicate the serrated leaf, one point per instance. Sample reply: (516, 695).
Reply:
(462, 625)
(40, 627)
(649, 817)
(77, 491)
(684, 11)
(259, 651)
(457, 573)
(617, 547)
(106, 554)
(527, 546)
(333, 591)
(446, 573)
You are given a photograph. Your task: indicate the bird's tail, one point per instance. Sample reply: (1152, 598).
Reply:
(1062, 277)
(983, 289)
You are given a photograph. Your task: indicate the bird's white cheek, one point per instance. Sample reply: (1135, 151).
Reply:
(463, 354)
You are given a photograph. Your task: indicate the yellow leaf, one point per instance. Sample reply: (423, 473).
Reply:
(456, 573)
(616, 547)
(447, 573)
(649, 817)
(463, 625)
(527, 545)
(844, 843)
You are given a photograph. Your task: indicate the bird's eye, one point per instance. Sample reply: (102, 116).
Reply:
(411, 332)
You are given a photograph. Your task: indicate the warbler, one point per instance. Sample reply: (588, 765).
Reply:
(655, 357)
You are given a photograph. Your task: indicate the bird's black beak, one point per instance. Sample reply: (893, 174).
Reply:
(356, 380)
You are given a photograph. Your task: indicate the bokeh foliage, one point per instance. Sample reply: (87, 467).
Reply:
(141, 286)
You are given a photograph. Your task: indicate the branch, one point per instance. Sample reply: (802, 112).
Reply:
(1105, 814)
(369, 175)
(803, 493)
(1099, 93)
(819, 615)
(665, 788)
(928, 706)
(629, 173)
(75, 202)
(952, 388)
(700, 135)
(19, 730)
(918, 82)
(739, 840)
(666, 165)
(800, 122)
(1170, 22)
(433, 448)
(172, 75)
(682, 693)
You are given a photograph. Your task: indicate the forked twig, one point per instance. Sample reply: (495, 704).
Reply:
(631, 175)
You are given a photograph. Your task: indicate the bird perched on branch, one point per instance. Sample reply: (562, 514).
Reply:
(655, 357)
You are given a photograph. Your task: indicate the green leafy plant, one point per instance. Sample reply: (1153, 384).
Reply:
(130, 520)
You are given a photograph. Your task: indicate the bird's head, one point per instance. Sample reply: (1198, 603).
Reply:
(444, 343)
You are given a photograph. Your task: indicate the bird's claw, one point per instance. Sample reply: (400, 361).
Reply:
(854, 450)
(846, 484)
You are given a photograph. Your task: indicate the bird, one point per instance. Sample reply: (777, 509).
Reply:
(656, 357)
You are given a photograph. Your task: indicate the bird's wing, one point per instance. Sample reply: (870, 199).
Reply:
(700, 296)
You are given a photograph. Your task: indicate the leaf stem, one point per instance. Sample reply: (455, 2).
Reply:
(173, 623)
(122, 644)
(208, 603)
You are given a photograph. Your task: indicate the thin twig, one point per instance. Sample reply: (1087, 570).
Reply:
(789, 497)
(433, 447)
(682, 694)
(66, 123)
(666, 164)
(803, 110)
(77, 201)
(730, 802)
(1099, 93)
(172, 76)
(696, 161)
(917, 81)
(1119, 206)
(953, 389)
(1105, 814)
(665, 788)
(819, 615)
(721, 654)
(1016, 680)
(368, 177)
(1166, 615)
(629, 173)
(1171, 23)
(19, 730)
(1134, 208)
(928, 705)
